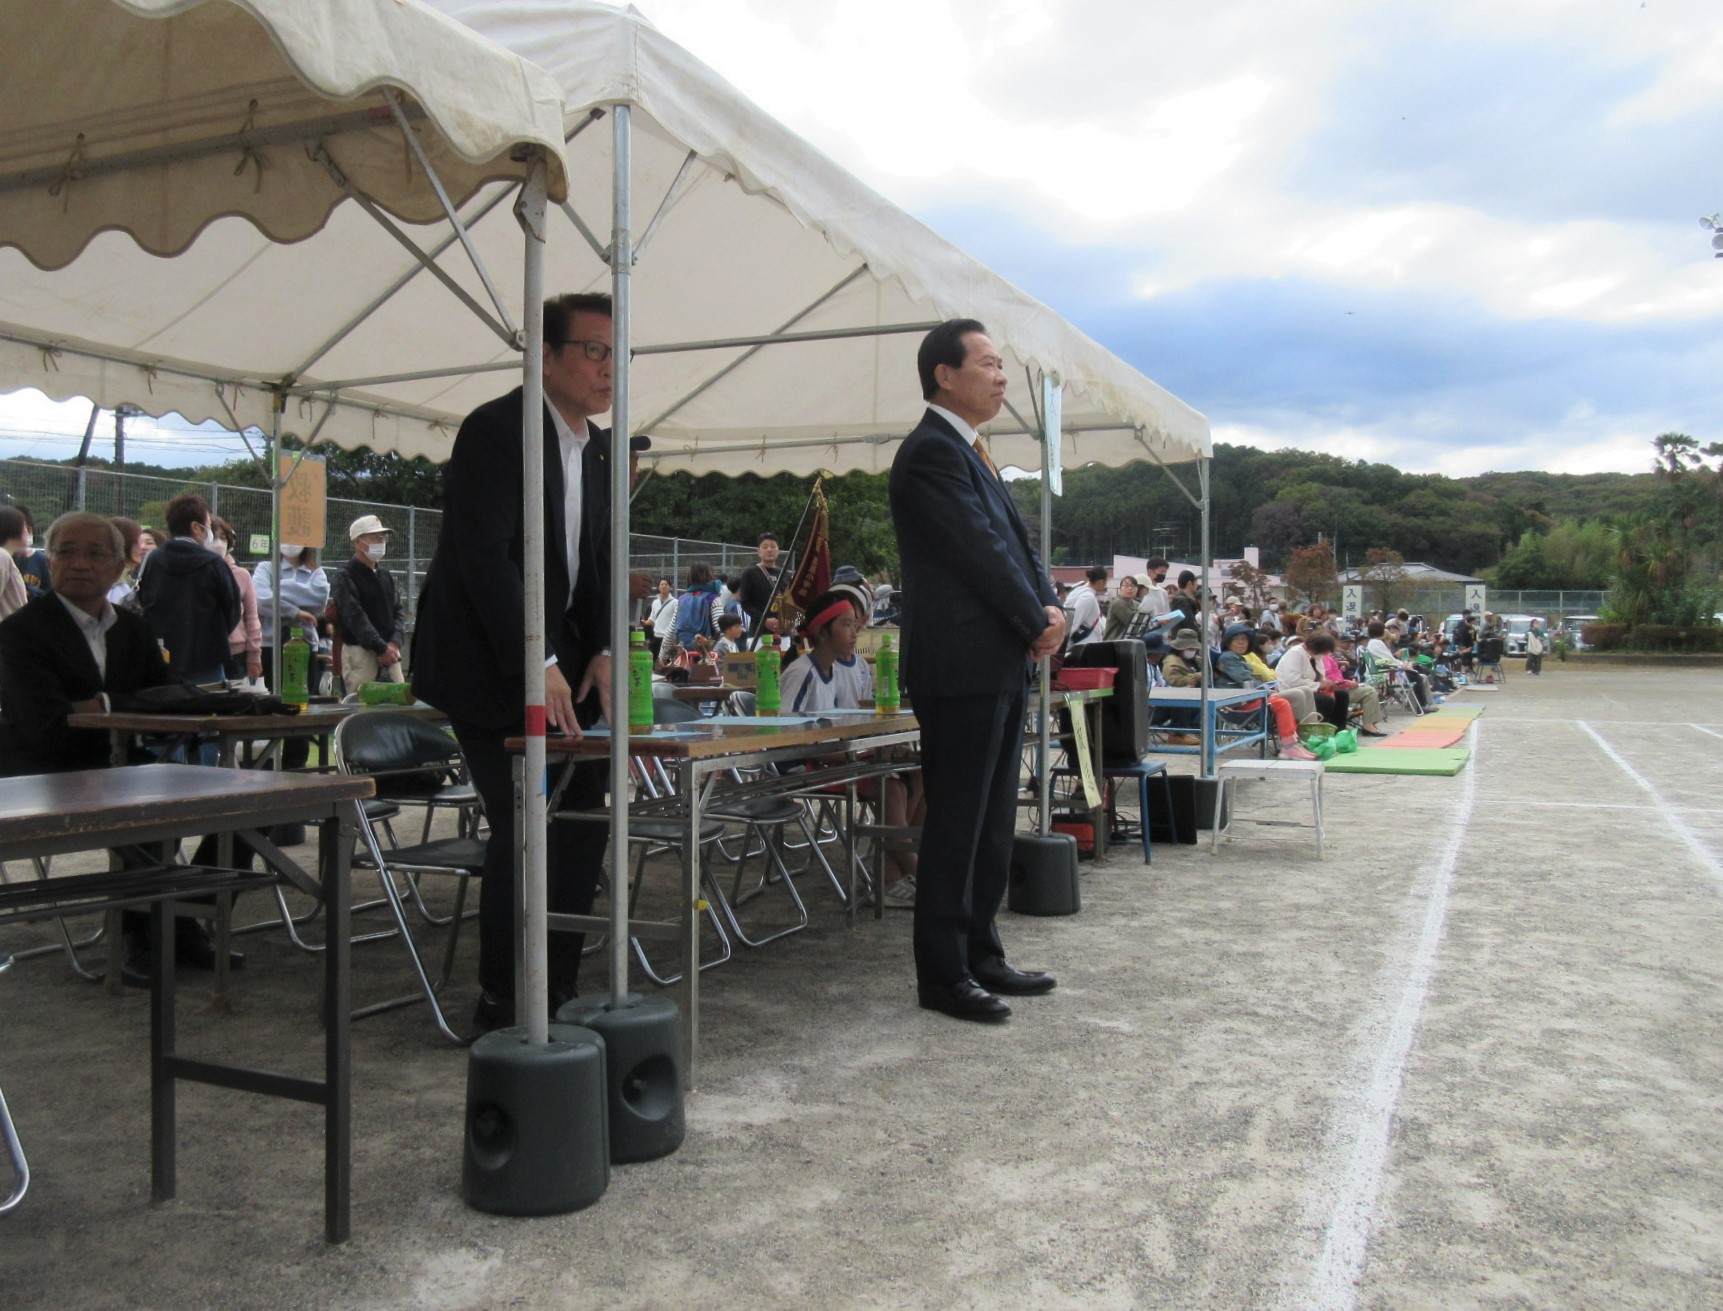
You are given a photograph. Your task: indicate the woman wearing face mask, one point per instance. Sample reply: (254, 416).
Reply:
(304, 592)
(369, 616)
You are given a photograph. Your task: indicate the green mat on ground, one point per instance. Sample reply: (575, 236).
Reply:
(1407, 760)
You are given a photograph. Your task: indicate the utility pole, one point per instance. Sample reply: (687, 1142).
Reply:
(121, 414)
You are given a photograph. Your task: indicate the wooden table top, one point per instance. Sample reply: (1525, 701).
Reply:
(314, 719)
(36, 807)
(701, 739)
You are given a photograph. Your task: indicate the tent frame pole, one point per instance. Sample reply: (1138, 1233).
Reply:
(532, 1001)
(1207, 665)
(1044, 755)
(621, 316)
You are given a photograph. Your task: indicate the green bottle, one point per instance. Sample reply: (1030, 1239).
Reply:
(885, 697)
(768, 699)
(383, 694)
(295, 667)
(639, 681)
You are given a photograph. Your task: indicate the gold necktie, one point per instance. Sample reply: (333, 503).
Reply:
(981, 450)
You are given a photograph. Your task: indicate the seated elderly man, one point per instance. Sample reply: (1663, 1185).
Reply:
(69, 650)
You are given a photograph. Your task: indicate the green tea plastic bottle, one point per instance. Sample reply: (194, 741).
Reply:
(885, 696)
(639, 681)
(295, 667)
(768, 699)
(378, 693)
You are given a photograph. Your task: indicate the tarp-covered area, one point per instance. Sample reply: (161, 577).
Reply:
(163, 164)
(745, 232)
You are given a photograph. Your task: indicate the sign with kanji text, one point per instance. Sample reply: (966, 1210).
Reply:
(303, 499)
(1475, 594)
(1352, 601)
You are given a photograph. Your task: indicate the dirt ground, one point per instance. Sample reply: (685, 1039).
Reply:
(1474, 1058)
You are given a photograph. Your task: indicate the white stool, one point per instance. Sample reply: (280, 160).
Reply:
(1267, 771)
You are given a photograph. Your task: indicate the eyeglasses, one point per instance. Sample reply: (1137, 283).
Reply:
(82, 553)
(596, 351)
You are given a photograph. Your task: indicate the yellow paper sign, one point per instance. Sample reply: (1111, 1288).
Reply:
(303, 499)
(1085, 759)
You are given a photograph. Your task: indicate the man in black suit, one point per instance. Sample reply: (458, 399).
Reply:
(978, 611)
(70, 651)
(469, 648)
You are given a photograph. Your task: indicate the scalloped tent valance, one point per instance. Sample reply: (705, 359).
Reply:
(748, 233)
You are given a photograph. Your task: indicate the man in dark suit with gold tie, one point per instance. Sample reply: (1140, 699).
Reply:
(469, 645)
(978, 611)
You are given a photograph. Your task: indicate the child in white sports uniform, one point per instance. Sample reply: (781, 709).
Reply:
(831, 676)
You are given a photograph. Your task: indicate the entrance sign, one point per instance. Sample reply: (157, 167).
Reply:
(1352, 601)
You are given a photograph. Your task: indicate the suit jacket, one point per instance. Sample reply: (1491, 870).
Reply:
(469, 644)
(46, 665)
(974, 592)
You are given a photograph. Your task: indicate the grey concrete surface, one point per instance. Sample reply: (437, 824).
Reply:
(1474, 1058)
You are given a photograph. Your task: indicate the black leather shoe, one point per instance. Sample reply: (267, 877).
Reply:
(560, 997)
(135, 960)
(1002, 978)
(193, 949)
(964, 1000)
(493, 1012)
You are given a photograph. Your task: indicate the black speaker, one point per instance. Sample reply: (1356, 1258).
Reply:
(1125, 714)
(1043, 877)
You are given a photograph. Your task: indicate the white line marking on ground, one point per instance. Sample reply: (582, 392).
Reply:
(1713, 732)
(1516, 803)
(1691, 839)
(1367, 1117)
(1613, 723)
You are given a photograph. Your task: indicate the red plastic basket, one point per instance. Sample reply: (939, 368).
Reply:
(1084, 678)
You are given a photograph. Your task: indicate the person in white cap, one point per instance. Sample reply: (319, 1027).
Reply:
(369, 615)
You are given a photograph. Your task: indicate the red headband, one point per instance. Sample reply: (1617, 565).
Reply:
(830, 613)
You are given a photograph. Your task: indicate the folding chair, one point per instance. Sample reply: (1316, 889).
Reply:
(409, 757)
(9, 1133)
(1489, 658)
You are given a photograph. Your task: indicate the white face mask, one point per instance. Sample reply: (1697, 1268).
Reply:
(375, 549)
(290, 550)
(212, 542)
(29, 541)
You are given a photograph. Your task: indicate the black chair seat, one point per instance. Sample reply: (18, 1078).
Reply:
(642, 828)
(464, 854)
(379, 809)
(757, 810)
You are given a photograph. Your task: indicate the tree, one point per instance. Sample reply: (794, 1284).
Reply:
(1251, 583)
(1385, 570)
(1311, 572)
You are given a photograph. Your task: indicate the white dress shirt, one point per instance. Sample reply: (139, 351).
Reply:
(95, 629)
(573, 484)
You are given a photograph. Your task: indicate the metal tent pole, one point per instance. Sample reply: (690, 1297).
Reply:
(531, 987)
(1207, 667)
(1044, 754)
(621, 272)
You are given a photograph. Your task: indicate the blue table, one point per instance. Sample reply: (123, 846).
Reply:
(1219, 733)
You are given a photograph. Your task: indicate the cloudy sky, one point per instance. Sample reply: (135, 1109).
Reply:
(1452, 237)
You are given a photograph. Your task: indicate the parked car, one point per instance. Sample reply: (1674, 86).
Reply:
(1574, 626)
(1515, 629)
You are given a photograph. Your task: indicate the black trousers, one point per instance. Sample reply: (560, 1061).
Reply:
(1334, 706)
(572, 866)
(970, 749)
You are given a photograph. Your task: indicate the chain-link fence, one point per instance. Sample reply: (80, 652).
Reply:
(1436, 603)
(52, 489)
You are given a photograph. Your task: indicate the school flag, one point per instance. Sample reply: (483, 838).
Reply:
(814, 570)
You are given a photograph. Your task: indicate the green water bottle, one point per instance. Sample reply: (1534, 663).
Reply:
(768, 699)
(639, 681)
(384, 694)
(885, 696)
(295, 666)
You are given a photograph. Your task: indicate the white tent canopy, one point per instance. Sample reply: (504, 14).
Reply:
(745, 231)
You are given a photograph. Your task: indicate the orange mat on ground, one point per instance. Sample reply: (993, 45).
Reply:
(1443, 729)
